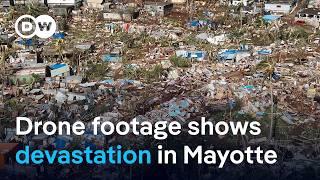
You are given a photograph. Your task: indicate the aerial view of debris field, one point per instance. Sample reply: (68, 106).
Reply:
(232, 60)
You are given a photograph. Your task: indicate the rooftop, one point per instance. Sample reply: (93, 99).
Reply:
(313, 11)
(57, 66)
(157, 3)
(279, 2)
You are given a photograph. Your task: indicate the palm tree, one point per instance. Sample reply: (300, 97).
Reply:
(3, 75)
(2, 72)
(59, 46)
(240, 9)
(268, 68)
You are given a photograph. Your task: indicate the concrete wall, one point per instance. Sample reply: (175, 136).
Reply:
(117, 16)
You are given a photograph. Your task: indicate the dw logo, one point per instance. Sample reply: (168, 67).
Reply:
(43, 26)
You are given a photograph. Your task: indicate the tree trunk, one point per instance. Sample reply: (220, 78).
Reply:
(271, 114)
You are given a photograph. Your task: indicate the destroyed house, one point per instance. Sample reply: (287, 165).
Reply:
(112, 57)
(279, 6)
(126, 15)
(158, 8)
(6, 3)
(88, 47)
(26, 75)
(197, 55)
(234, 54)
(5, 41)
(69, 3)
(6, 38)
(61, 10)
(95, 4)
(202, 23)
(308, 14)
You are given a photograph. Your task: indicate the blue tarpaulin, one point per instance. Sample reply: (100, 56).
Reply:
(264, 51)
(126, 81)
(229, 54)
(232, 103)
(201, 23)
(248, 87)
(26, 42)
(108, 81)
(111, 58)
(57, 66)
(276, 76)
(270, 18)
(178, 108)
(59, 35)
(91, 145)
(60, 143)
(198, 55)
(194, 23)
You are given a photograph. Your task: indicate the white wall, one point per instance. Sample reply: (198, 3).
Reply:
(63, 2)
(178, 1)
(278, 8)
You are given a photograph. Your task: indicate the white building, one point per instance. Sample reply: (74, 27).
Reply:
(278, 6)
(178, 1)
(238, 2)
(61, 70)
(61, 2)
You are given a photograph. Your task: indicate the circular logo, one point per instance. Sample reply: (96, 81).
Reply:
(46, 26)
(24, 27)
(43, 26)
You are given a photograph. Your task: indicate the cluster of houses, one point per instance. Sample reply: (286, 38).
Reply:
(112, 12)
(308, 13)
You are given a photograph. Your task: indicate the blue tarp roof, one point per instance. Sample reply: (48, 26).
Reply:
(111, 58)
(178, 108)
(108, 81)
(91, 145)
(199, 55)
(194, 23)
(264, 52)
(27, 42)
(231, 51)
(60, 143)
(57, 66)
(228, 54)
(270, 18)
(203, 22)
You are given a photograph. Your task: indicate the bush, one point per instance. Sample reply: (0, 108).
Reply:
(153, 74)
(180, 61)
(97, 71)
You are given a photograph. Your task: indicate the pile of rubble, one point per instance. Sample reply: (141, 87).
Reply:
(163, 61)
